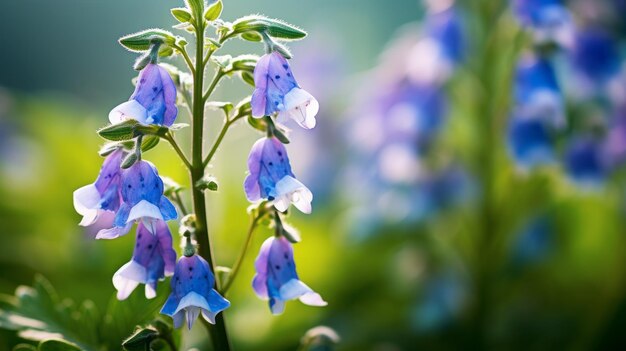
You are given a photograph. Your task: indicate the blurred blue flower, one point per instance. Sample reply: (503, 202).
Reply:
(537, 92)
(530, 142)
(142, 200)
(533, 243)
(153, 259)
(276, 278)
(193, 293)
(585, 161)
(440, 49)
(271, 177)
(154, 99)
(595, 57)
(276, 90)
(103, 195)
(549, 20)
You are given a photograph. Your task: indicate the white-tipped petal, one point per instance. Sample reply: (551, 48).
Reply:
(192, 315)
(86, 203)
(126, 279)
(300, 106)
(278, 307)
(114, 232)
(178, 319)
(144, 209)
(313, 299)
(293, 289)
(150, 292)
(282, 203)
(296, 192)
(209, 316)
(128, 110)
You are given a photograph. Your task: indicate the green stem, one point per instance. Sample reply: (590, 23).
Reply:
(242, 254)
(219, 336)
(170, 138)
(219, 139)
(180, 203)
(216, 79)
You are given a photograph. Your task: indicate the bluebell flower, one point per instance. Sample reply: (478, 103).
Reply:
(276, 90)
(153, 259)
(276, 278)
(537, 93)
(441, 47)
(142, 200)
(103, 195)
(549, 19)
(271, 177)
(154, 99)
(530, 142)
(595, 57)
(585, 161)
(193, 293)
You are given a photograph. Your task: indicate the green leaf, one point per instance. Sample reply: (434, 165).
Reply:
(57, 345)
(280, 136)
(119, 132)
(247, 77)
(108, 149)
(182, 15)
(224, 106)
(141, 339)
(207, 182)
(257, 123)
(38, 314)
(242, 63)
(129, 160)
(244, 107)
(24, 347)
(196, 7)
(141, 41)
(252, 36)
(214, 11)
(274, 28)
(222, 60)
(149, 142)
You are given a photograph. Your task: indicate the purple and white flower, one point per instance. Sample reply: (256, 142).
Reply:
(271, 177)
(549, 20)
(276, 278)
(142, 201)
(92, 200)
(276, 90)
(153, 259)
(154, 99)
(193, 293)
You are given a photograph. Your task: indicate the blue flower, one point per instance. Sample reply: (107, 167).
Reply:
(276, 90)
(153, 259)
(193, 293)
(549, 19)
(530, 142)
(442, 46)
(276, 278)
(142, 200)
(103, 195)
(271, 177)
(585, 161)
(537, 92)
(596, 57)
(154, 99)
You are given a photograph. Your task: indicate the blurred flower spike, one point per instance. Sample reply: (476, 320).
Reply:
(271, 177)
(153, 259)
(142, 201)
(276, 91)
(276, 278)
(549, 20)
(193, 293)
(154, 99)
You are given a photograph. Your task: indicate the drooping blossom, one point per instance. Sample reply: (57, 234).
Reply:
(537, 93)
(595, 58)
(271, 177)
(154, 99)
(550, 20)
(530, 142)
(276, 90)
(585, 161)
(193, 293)
(142, 200)
(92, 200)
(153, 259)
(276, 278)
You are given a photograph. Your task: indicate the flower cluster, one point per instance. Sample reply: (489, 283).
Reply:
(539, 123)
(397, 124)
(271, 179)
(129, 189)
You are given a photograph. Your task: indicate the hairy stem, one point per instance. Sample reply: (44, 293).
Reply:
(220, 137)
(219, 336)
(180, 153)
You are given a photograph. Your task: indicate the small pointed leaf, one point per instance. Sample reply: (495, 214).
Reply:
(141, 41)
(182, 15)
(214, 11)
